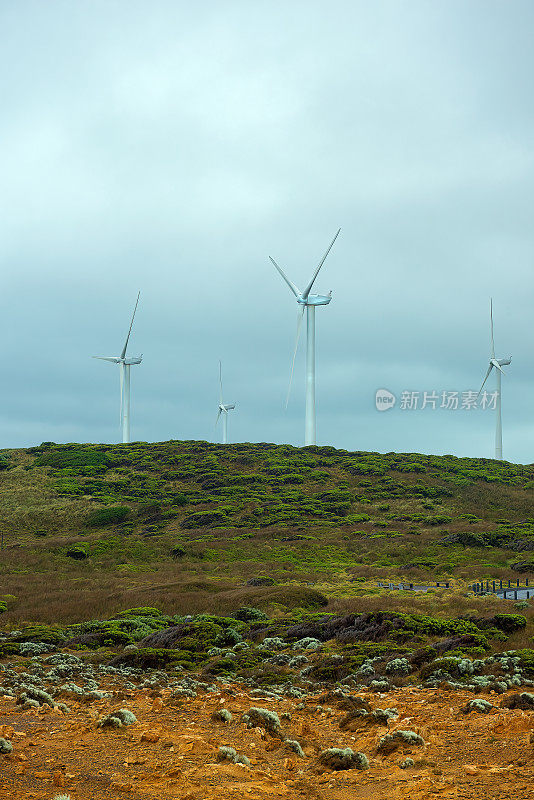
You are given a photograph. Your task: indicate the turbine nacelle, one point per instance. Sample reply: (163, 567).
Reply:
(315, 300)
(227, 407)
(128, 362)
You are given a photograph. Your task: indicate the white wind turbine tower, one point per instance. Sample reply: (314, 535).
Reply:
(497, 363)
(224, 408)
(308, 301)
(124, 374)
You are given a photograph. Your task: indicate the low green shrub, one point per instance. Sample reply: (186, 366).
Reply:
(50, 634)
(72, 458)
(392, 741)
(143, 611)
(249, 614)
(337, 758)
(151, 658)
(107, 516)
(77, 552)
(203, 519)
(264, 718)
(509, 622)
(117, 719)
(222, 666)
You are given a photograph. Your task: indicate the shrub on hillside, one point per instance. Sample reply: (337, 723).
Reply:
(142, 611)
(72, 458)
(151, 658)
(107, 516)
(392, 741)
(264, 718)
(523, 701)
(117, 719)
(291, 596)
(509, 622)
(249, 614)
(50, 634)
(337, 758)
(221, 715)
(261, 581)
(5, 746)
(203, 518)
(77, 552)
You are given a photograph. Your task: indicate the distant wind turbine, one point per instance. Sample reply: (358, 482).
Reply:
(497, 363)
(224, 408)
(124, 374)
(307, 301)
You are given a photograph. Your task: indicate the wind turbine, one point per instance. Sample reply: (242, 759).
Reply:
(224, 408)
(124, 374)
(308, 302)
(497, 363)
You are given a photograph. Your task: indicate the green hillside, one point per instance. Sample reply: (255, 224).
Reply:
(88, 529)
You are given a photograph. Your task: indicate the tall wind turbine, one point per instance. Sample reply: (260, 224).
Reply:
(308, 302)
(224, 408)
(497, 363)
(124, 375)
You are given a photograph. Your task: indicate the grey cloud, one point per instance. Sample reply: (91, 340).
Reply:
(173, 147)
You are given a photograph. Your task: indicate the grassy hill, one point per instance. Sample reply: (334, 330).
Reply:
(90, 529)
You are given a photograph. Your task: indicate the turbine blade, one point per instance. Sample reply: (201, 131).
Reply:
(218, 415)
(113, 359)
(300, 317)
(491, 319)
(291, 285)
(306, 292)
(220, 383)
(485, 379)
(123, 354)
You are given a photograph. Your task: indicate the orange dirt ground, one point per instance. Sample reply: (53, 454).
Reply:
(171, 751)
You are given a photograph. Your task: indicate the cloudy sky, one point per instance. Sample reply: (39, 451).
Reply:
(171, 147)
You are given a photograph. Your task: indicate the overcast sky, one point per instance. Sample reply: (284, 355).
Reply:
(171, 147)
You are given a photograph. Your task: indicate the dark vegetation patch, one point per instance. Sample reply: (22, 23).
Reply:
(374, 649)
(156, 518)
(373, 627)
(107, 516)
